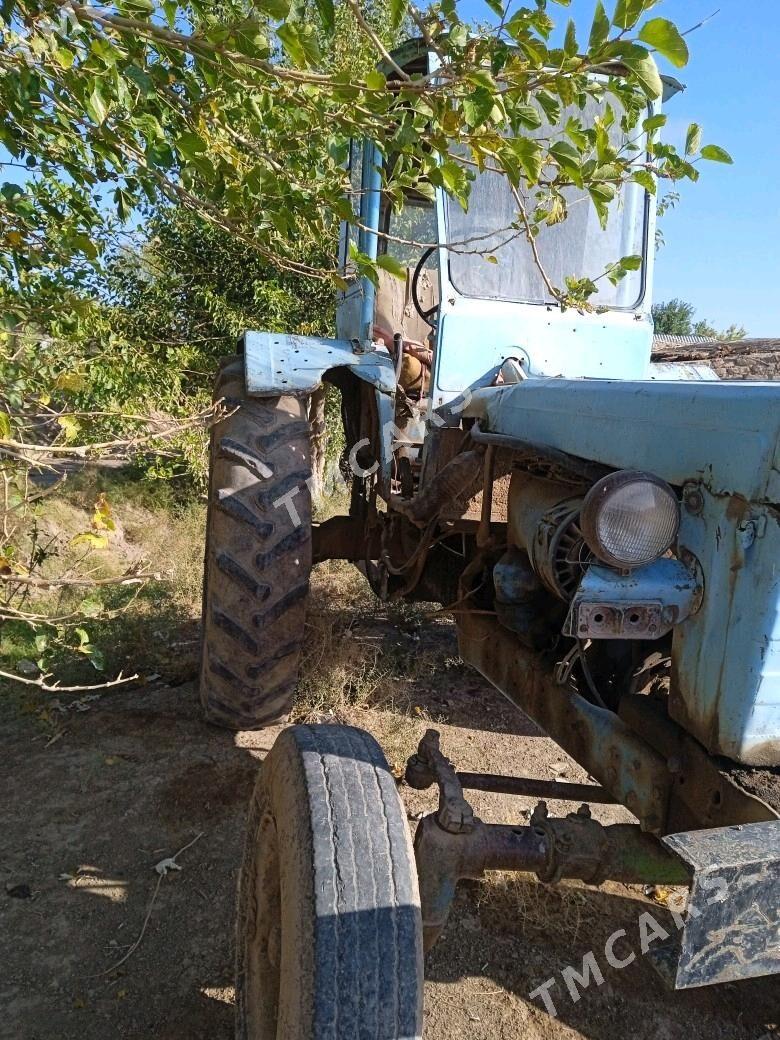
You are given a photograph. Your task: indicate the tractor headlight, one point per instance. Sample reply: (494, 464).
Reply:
(629, 519)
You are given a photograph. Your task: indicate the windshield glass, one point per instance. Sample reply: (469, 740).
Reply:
(578, 247)
(409, 229)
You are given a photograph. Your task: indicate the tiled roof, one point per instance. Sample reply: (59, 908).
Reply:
(663, 340)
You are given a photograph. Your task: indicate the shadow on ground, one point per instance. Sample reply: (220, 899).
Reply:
(516, 934)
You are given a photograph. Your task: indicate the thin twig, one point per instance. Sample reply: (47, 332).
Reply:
(141, 934)
(81, 450)
(701, 24)
(386, 55)
(50, 583)
(532, 243)
(41, 683)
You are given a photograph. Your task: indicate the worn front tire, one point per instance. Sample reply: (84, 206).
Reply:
(258, 556)
(329, 932)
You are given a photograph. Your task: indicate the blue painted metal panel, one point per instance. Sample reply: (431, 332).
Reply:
(726, 657)
(666, 591)
(724, 439)
(725, 434)
(276, 363)
(478, 335)
(355, 306)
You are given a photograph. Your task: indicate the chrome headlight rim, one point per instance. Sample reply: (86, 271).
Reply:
(597, 498)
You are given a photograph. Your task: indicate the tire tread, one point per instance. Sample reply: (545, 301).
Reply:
(257, 560)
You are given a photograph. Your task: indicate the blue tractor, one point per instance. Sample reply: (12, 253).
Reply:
(611, 537)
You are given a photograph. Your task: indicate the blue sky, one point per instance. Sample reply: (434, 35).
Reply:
(722, 251)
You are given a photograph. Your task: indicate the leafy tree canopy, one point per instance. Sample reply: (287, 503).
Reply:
(173, 172)
(675, 318)
(241, 112)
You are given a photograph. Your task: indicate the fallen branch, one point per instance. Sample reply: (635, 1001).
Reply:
(42, 684)
(51, 583)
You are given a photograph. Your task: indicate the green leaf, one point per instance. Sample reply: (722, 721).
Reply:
(392, 265)
(291, 42)
(91, 606)
(601, 196)
(97, 658)
(189, 145)
(568, 158)
(453, 177)
(478, 106)
(550, 105)
(375, 80)
(96, 106)
(599, 32)
(170, 8)
(529, 155)
(299, 42)
(397, 10)
(716, 154)
(576, 134)
(693, 139)
(646, 179)
(136, 7)
(654, 123)
(481, 78)
(496, 7)
(570, 45)
(527, 116)
(646, 71)
(124, 203)
(628, 12)
(5, 424)
(64, 57)
(275, 8)
(327, 15)
(665, 37)
(141, 79)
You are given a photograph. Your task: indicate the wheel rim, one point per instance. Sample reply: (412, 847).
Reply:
(263, 938)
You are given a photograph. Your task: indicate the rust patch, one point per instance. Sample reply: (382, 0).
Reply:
(738, 508)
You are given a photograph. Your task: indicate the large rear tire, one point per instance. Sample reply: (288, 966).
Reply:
(258, 556)
(329, 932)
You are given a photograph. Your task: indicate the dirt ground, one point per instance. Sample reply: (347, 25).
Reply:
(93, 803)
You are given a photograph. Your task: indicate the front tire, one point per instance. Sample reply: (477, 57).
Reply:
(329, 932)
(258, 556)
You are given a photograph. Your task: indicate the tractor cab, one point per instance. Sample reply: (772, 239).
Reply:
(479, 290)
(475, 304)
